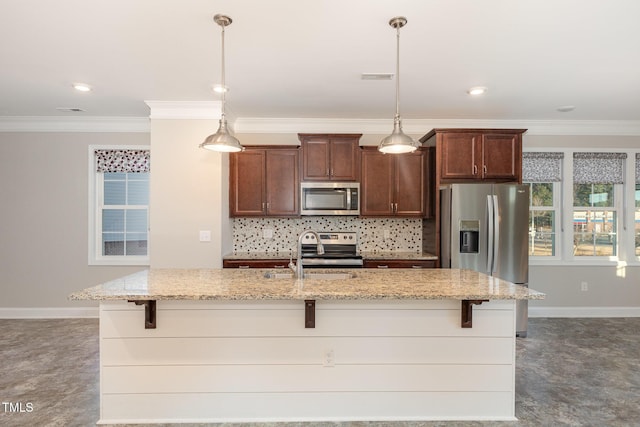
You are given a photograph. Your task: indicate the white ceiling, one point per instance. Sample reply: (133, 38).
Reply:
(304, 58)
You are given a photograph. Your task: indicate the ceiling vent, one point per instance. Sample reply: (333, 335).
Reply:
(70, 109)
(377, 76)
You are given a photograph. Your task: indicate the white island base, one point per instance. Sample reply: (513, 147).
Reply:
(254, 361)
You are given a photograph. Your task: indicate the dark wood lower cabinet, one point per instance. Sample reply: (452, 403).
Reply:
(255, 263)
(399, 263)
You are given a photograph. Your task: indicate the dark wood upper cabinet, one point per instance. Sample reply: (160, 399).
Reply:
(394, 184)
(264, 182)
(330, 157)
(477, 154)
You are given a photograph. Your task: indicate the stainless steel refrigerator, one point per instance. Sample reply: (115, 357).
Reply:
(484, 227)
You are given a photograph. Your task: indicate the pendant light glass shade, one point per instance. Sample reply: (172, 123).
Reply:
(398, 142)
(222, 140)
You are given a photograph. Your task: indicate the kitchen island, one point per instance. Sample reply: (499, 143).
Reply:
(227, 345)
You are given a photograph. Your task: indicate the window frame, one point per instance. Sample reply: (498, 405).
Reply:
(618, 208)
(556, 208)
(625, 196)
(96, 186)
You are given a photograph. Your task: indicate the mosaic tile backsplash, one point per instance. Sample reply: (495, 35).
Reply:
(404, 234)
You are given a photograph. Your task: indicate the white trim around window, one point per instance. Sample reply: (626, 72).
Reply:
(95, 189)
(625, 206)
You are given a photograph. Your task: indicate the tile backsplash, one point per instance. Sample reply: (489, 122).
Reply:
(404, 234)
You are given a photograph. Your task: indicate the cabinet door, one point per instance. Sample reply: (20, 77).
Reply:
(282, 182)
(410, 184)
(315, 158)
(377, 184)
(501, 157)
(461, 155)
(255, 263)
(344, 159)
(396, 263)
(247, 183)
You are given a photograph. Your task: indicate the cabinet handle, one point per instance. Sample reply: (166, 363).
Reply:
(475, 169)
(331, 172)
(328, 172)
(278, 266)
(244, 266)
(383, 266)
(396, 207)
(484, 170)
(416, 266)
(264, 207)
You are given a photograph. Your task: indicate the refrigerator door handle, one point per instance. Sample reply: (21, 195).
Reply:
(490, 232)
(496, 233)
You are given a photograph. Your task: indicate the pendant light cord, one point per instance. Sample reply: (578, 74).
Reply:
(224, 84)
(397, 72)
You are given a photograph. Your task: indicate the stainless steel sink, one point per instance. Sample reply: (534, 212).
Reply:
(338, 275)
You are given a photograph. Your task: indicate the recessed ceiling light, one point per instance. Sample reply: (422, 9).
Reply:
(377, 76)
(218, 88)
(477, 90)
(82, 87)
(566, 108)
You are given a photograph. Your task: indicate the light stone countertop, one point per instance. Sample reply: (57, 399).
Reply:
(250, 284)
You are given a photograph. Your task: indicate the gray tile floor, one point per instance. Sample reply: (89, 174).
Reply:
(570, 372)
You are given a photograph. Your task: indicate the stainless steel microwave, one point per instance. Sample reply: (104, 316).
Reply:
(330, 198)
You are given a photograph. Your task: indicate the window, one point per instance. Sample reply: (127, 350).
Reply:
(119, 206)
(596, 194)
(543, 173)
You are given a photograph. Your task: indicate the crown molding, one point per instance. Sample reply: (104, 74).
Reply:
(210, 110)
(73, 124)
(185, 110)
(422, 126)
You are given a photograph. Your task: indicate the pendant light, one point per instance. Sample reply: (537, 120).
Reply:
(398, 141)
(222, 140)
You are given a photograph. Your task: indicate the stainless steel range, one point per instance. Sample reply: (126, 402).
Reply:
(340, 250)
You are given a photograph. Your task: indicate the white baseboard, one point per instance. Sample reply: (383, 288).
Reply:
(584, 311)
(48, 312)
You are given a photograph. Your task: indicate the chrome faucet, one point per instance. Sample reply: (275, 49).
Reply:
(297, 268)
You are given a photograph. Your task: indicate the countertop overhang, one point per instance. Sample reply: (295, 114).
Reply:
(251, 285)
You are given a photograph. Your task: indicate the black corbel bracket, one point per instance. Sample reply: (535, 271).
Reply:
(309, 313)
(467, 311)
(149, 312)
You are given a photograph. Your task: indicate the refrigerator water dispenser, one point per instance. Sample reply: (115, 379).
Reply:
(469, 236)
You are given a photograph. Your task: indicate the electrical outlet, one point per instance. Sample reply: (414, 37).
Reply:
(205, 235)
(267, 233)
(329, 359)
(386, 234)
(584, 286)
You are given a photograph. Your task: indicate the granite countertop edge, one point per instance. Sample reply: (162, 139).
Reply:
(251, 285)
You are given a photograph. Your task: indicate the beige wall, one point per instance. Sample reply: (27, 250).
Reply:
(189, 193)
(44, 217)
